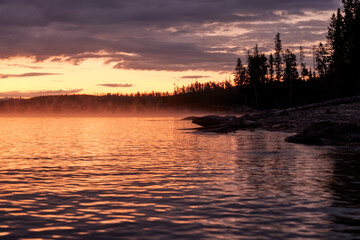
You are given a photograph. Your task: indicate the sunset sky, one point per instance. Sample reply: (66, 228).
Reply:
(125, 46)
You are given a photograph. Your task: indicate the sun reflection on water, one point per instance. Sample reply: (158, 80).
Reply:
(108, 177)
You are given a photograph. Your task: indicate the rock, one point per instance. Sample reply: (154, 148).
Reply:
(327, 133)
(222, 128)
(214, 123)
(248, 117)
(212, 120)
(283, 126)
(328, 111)
(250, 124)
(248, 121)
(284, 113)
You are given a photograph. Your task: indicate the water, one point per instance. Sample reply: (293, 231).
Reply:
(143, 178)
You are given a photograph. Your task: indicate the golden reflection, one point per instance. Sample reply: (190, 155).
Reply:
(153, 218)
(109, 211)
(50, 210)
(33, 239)
(85, 172)
(16, 214)
(11, 209)
(53, 228)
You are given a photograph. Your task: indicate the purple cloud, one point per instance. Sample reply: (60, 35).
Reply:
(194, 77)
(38, 93)
(30, 74)
(175, 35)
(115, 85)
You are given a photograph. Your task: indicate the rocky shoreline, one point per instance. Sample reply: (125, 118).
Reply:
(335, 122)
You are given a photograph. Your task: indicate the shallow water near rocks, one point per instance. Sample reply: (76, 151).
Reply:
(144, 178)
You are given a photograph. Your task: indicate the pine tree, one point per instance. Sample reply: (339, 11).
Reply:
(304, 70)
(240, 73)
(278, 59)
(290, 72)
(343, 38)
(271, 67)
(257, 69)
(322, 60)
(356, 50)
(336, 41)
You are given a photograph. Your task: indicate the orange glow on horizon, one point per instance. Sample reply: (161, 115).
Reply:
(90, 75)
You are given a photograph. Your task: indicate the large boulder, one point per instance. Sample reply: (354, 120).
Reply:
(247, 121)
(215, 123)
(327, 133)
(213, 120)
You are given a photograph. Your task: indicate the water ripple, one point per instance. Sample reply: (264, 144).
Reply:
(111, 178)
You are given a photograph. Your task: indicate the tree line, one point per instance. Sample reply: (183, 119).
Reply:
(283, 80)
(278, 80)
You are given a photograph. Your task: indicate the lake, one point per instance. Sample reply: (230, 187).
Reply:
(145, 178)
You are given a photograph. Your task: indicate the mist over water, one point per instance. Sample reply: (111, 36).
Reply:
(143, 177)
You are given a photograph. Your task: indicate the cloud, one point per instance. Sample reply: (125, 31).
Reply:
(30, 74)
(194, 77)
(175, 35)
(115, 85)
(38, 93)
(23, 66)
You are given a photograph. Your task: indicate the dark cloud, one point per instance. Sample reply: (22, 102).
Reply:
(194, 77)
(155, 34)
(38, 93)
(115, 85)
(30, 74)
